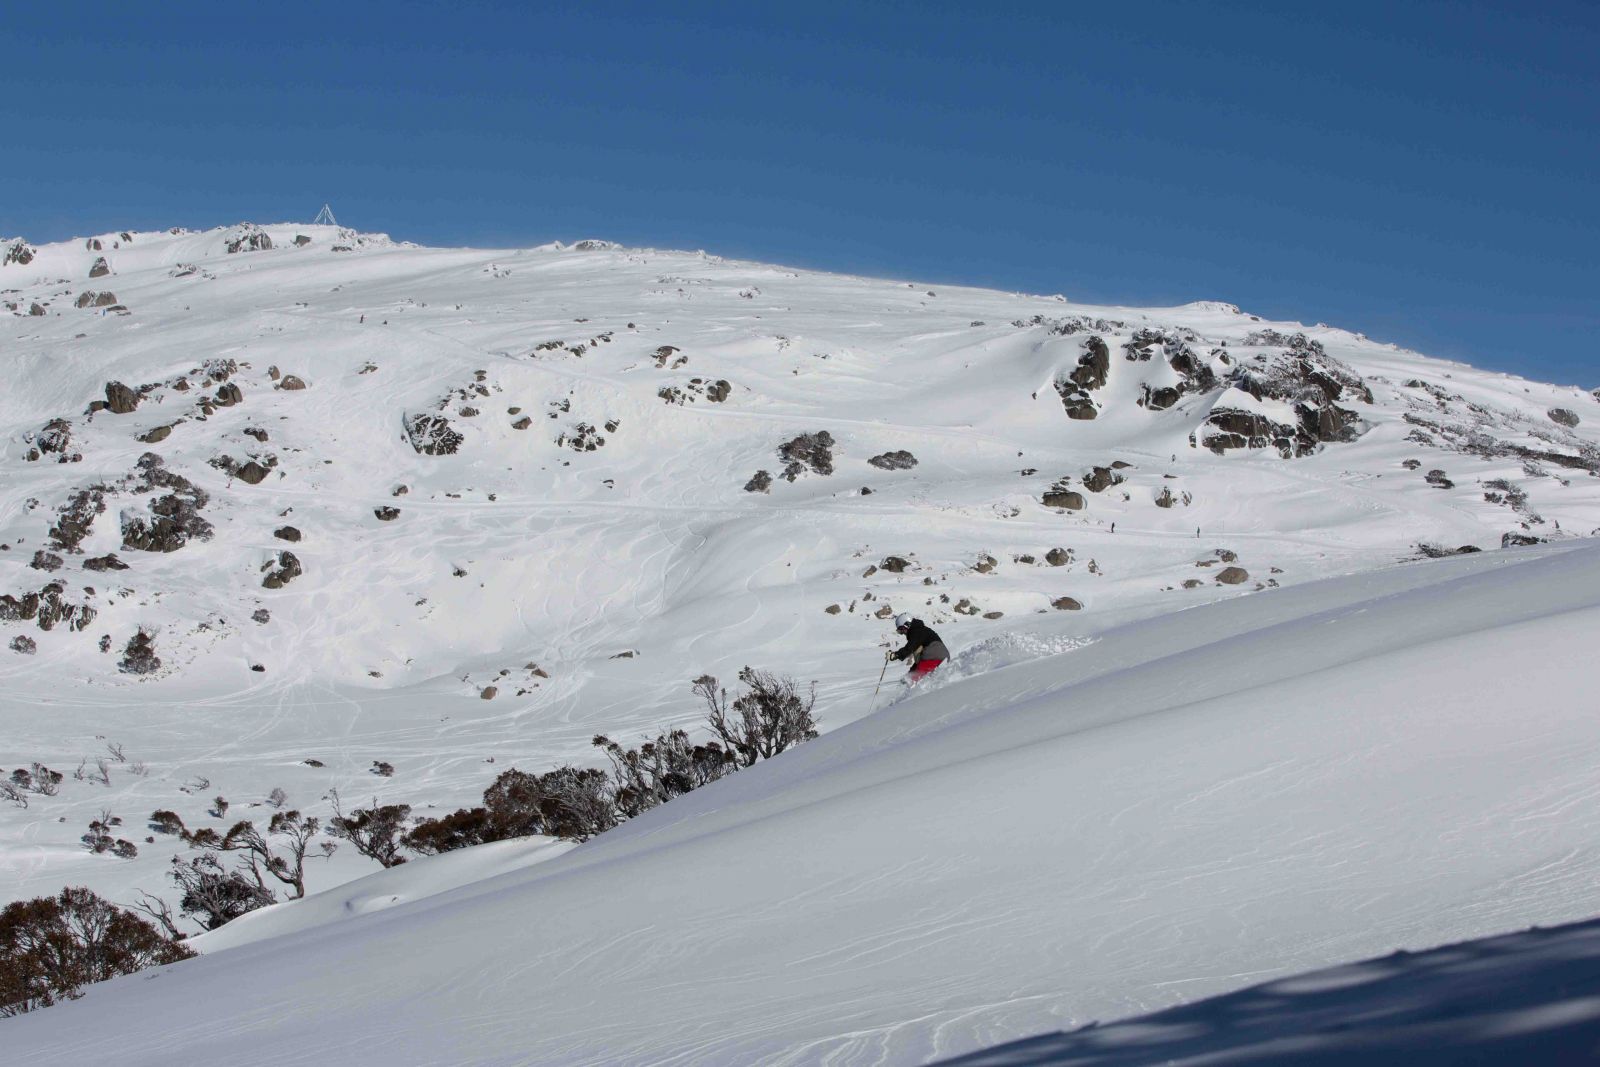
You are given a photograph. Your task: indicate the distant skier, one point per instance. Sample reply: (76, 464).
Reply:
(923, 649)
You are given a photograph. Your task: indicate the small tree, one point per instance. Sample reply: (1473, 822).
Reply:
(375, 832)
(213, 896)
(51, 947)
(289, 830)
(767, 718)
(460, 829)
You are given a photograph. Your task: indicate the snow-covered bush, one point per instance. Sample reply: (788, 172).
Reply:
(767, 718)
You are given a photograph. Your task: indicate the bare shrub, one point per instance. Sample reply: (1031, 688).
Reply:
(375, 832)
(767, 718)
(163, 821)
(660, 769)
(51, 947)
(219, 807)
(279, 852)
(213, 896)
(277, 798)
(10, 792)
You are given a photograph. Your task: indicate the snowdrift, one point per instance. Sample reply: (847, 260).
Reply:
(1191, 804)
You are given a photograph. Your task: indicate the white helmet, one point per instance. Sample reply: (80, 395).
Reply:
(901, 621)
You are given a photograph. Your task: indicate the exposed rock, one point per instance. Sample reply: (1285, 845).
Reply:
(760, 482)
(1165, 499)
(1192, 583)
(100, 269)
(894, 461)
(45, 561)
(248, 238)
(252, 473)
(1227, 555)
(156, 434)
(91, 299)
(286, 533)
(808, 450)
(986, 564)
(55, 439)
(1411, 464)
(261, 615)
(1517, 540)
(120, 400)
(1437, 479)
(1100, 479)
(583, 438)
(432, 435)
(108, 562)
(301, 240)
(229, 395)
(256, 432)
(35, 309)
(291, 383)
(24, 645)
(1304, 377)
(387, 514)
(894, 564)
(833, 609)
(1060, 497)
(1233, 575)
(139, 657)
(488, 693)
(1058, 557)
(19, 252)
(76, 517)
(884, 611)
(1563, 417)
(522, 423)
(175, 515)
(719, 390)
(286, 571)
(1066, 603)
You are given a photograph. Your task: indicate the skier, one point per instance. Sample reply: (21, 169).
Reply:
(923, 649)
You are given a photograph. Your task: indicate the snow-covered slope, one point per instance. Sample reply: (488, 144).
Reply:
(1193, 803)
(523, 495)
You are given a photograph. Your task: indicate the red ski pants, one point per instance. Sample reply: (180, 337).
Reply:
(923, 668)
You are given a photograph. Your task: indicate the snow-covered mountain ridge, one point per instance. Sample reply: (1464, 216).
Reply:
(436, 507)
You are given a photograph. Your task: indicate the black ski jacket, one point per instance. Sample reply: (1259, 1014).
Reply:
(922, 643)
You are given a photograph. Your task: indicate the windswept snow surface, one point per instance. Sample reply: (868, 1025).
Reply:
(1194, 803)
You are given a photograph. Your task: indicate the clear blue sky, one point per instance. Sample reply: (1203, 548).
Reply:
(1422, 172)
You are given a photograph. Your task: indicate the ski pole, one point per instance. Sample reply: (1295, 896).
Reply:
(880, 684)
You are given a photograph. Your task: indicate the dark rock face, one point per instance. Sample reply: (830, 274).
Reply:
(719, 390)
(1165, 499)
(286, 533)
(229, 395)
(760, 482)
(261, 615)
(19, 252)
(808, 450)
(36, 309)
(47, 608)
(1058, 496)
(1233, 576)
(76, 517)
(291, 383)
(1563, 417)
(256, 432)
(386, 514)
(432, 435)
(301, 240)
(100, 269)
(91, 299)
(1516, 540)
(1100, 479)
(156, 434)
(45, 561)
(1058, 557)
(522, 423)
(108, 562)
(1066, 603)
(286, 571)
(582, 438)
(120, 400)
(1438, 480)
(252, 472)
(55, 439)
(249, 238)
(894, 461)
(1305, 377)
(23, 645)
(175, 517)
(894, 564)
(139, 657)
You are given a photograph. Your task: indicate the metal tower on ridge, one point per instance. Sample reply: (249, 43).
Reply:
(324, 217)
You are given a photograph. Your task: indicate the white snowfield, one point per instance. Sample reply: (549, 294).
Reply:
(1193, 803)
(1230, 729)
